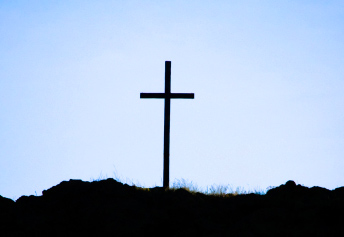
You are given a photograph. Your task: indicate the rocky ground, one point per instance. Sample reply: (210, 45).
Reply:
(109, 208)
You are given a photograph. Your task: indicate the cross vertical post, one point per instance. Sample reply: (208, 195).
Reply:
(167, 96)
(166, 174)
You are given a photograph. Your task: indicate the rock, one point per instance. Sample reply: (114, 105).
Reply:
(288, 190)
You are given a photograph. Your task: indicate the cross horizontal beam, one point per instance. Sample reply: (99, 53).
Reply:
(167, 95)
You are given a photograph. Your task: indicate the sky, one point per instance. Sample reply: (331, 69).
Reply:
(268, 79)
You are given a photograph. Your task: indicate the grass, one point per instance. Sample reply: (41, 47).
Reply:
(118, 179)
(216, 190)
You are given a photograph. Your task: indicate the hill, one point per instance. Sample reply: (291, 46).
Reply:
(110, 208)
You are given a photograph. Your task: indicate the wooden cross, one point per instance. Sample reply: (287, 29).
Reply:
(167, 96)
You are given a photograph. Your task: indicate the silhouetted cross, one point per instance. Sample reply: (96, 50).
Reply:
(167, 96)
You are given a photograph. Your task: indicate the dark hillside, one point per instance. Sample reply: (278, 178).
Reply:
(109, 208)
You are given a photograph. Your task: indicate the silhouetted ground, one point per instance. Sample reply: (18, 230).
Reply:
(109, 208)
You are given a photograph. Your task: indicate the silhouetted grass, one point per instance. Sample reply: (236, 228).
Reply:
(215, 189)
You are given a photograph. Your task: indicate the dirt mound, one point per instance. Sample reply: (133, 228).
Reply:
(78, 208)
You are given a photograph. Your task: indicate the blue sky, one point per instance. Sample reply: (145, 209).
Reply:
(268, 79)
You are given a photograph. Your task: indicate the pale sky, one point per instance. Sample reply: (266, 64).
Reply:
(268, 79)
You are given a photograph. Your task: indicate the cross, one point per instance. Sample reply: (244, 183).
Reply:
(167, 96)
